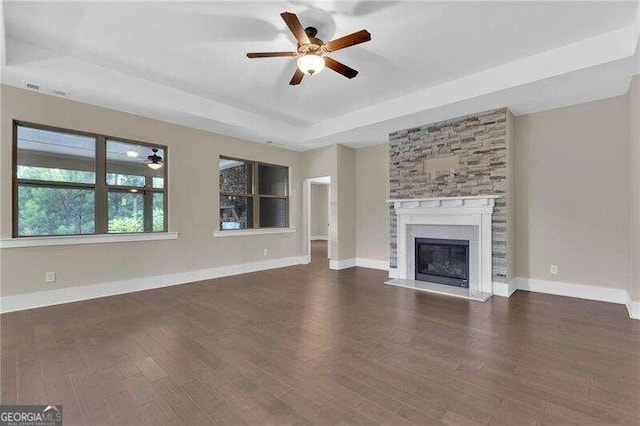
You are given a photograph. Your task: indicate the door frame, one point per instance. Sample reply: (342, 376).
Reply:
(321, 180)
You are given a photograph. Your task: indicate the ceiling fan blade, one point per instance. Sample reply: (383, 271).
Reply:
(348, 40)
(297, 77)
(295, 26)
(339, 67)
(270, 54)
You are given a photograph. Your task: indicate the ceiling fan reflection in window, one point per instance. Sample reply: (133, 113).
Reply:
(312, 51)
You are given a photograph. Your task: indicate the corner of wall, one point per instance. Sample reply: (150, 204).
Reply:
(511, 217)
(346, 197)
(634, 175)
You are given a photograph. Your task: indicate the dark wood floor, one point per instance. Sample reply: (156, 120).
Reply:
(307, 345)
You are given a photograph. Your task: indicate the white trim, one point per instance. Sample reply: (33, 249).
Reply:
(460, 198)
(258, 231)
(445, 290)
(393, 272)
(580, 291)
(342, 264)
(372, 263)
(322, 180)
(504, 289)
(74, 294)
(319, 238)
(306, 196)
(633, 308)
(84, 239)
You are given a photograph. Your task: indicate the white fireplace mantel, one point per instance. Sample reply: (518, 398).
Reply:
(472, 210)
(446, 205)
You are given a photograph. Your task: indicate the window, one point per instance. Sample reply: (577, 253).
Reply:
(72, 183)
(253, 195)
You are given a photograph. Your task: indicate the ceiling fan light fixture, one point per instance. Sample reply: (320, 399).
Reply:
(155, 161)
(311, 63)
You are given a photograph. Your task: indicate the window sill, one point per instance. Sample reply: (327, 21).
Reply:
(68, 240)
(260, 231)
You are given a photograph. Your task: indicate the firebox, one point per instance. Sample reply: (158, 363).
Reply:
(442, 261)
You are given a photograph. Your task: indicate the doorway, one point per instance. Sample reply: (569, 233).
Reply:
(319, 242)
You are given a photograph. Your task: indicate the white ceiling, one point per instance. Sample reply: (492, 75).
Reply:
(185, 62)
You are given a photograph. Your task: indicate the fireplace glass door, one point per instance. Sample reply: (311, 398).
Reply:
(442, 261)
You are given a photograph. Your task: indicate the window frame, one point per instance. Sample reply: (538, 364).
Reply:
(100, 187)
(254, 195)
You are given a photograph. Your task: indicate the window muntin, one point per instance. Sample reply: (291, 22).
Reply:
(52, 174)
(72, 183)
(253, 195)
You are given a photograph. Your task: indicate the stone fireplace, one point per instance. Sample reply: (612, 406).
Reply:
(466, 220)
(453, 180)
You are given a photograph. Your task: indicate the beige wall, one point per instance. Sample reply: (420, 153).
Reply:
(338, 162)
(372, 212)
(572, 193)
(322, 162)
(193, 202)
(319, 210)
(634, 165)
(572, 189)
(346, 187)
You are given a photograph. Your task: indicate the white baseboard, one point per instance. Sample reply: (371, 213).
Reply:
(319, 237)
(580, 291)
(504, 289)
(360, 262)
(74, 294)
(633, 307)
(372, 263)
(342, 264)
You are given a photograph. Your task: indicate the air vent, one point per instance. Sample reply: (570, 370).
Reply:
(47, 90)
(59, 92)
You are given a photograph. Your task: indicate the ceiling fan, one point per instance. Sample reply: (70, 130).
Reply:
(311, 50)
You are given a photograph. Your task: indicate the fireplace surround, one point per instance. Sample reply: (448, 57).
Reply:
(455, 218)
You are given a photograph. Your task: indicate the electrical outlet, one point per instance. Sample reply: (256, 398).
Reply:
(50, 277)
(265, 252)
(553, 269)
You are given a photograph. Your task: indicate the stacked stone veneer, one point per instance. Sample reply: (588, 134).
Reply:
(480, 143)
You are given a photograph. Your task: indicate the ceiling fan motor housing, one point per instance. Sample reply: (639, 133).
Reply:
(315, 44)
